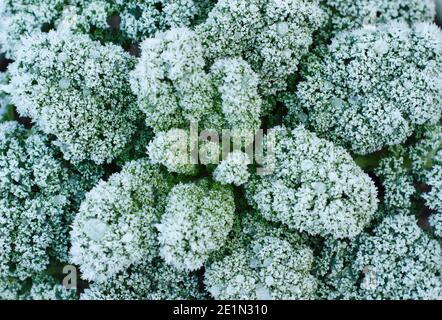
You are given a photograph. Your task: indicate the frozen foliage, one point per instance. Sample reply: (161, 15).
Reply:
(137, 148)
(272, 35)
(352, 14)
(131, 19)
(233, 169)
(371, 87)
(269, 269)
(397, 182)
(171, 149)
(196, 222)
(148, 281)
(404, 263)
(414, 171)
(131, 147)
(88, 15)
(144, 18)
(4, 96)
(39, 194)
(138, 20)
(42, 287)
(21, 18)
(115, 227)
(427, 165)
(77, 90)
(397, 261)
(436, 223)
(169, 80)
(314, 187)
(176, 150)
(264, 263)
(48, 288)
(174, 88)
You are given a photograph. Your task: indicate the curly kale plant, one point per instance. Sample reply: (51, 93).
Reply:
(21, 18)
(397, 261)
(42, 287)
(115, 226)
(271, 35)
(353, 14)
(77, 90)
(372, 87)
(220, 149)
(148, 281)
(196, 222)
(135, 20)
(427, 165)
(39, 195)
(314, 187)
(264, 262)
(174, 88)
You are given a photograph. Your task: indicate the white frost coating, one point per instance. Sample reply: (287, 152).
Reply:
(233, 170)
(38, 199)
(427, 165)
(83, 98)
(315, 187)
(371, 87)
(145, 94)
(271, 35)
(197, 220)
(114, 228)
(173, 87)
(268, 268)
(397, 261)
(397, 181)
(436, 223)
(171, 149)
(21, 18)
(147, 281)
(351, 14)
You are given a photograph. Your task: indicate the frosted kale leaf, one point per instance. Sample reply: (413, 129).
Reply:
(271, 35)
(396, 261)
(314, 187)
(115, 227)
(149, 281)
(77, 90)
(174, 88)
(351, 14)
(373, 86)
(196, 223)
(262, 262)
(39, 195)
